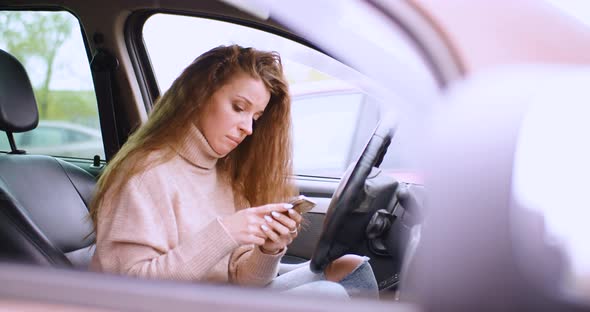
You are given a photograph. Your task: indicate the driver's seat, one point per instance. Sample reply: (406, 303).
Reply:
(43, 200)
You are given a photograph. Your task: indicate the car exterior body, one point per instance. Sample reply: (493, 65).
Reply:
(59, 138)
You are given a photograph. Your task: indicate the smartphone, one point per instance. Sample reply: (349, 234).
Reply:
(302, 204)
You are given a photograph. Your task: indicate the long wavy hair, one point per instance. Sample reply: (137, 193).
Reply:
(248, 165)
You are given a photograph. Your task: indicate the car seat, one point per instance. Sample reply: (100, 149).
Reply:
(43, 200)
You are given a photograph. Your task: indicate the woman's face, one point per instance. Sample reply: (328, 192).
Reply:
(227, 118)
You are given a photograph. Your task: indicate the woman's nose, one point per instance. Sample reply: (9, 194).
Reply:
(246, 125)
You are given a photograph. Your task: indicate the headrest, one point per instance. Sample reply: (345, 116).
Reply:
(18, 108)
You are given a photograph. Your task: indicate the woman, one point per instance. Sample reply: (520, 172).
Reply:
(172, 203)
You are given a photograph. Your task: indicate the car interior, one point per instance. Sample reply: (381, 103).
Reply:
(46, 197)
(446, 247)
(31, 183)
(64, 238)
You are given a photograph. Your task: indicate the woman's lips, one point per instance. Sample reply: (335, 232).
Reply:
(235, 140)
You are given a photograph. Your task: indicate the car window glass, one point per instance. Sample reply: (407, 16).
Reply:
(51, 48)
(337, 115)
(42, 137)
(73, 136)
(331, 117)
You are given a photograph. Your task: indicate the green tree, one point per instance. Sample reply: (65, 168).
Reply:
(29, 35)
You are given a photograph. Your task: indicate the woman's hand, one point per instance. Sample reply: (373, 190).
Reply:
(244, 226)
(280, 229)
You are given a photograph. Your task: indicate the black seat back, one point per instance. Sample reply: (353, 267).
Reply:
(43, 200)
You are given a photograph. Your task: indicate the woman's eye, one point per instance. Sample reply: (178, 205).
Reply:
(238, 108)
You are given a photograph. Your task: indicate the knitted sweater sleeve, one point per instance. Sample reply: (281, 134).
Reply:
(248, 265)
(139, 236)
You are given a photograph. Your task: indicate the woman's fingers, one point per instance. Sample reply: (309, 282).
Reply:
(285, 220)
(267, 209)
(296, 216)
(245, 226)
(271, 234)
(277, 210)
(254, 229)
(278, 223)
(256, 240)
(277, 226)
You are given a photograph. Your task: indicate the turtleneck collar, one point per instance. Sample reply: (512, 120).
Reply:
(195, 148)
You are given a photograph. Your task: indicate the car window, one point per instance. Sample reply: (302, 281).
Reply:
(51, 48)
(42, 137)
(337, 115)
(73, 136)
(332, 117)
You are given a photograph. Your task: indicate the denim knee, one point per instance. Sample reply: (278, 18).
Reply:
(321, 288)
(361, 282)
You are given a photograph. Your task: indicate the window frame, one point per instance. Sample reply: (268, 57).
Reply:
(149, 87)
(144, 72)
(142, 64)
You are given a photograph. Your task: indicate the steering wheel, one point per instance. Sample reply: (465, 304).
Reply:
(336, 239)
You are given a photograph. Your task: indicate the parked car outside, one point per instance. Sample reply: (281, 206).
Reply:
(59, 138)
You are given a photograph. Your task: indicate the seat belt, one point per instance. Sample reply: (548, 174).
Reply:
(103, 66)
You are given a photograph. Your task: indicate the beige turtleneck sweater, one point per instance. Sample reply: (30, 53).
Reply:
(165, 224)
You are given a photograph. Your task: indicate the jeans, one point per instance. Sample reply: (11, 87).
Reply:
(301, 280)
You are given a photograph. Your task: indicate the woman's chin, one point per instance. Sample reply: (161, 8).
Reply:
(224, 150)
